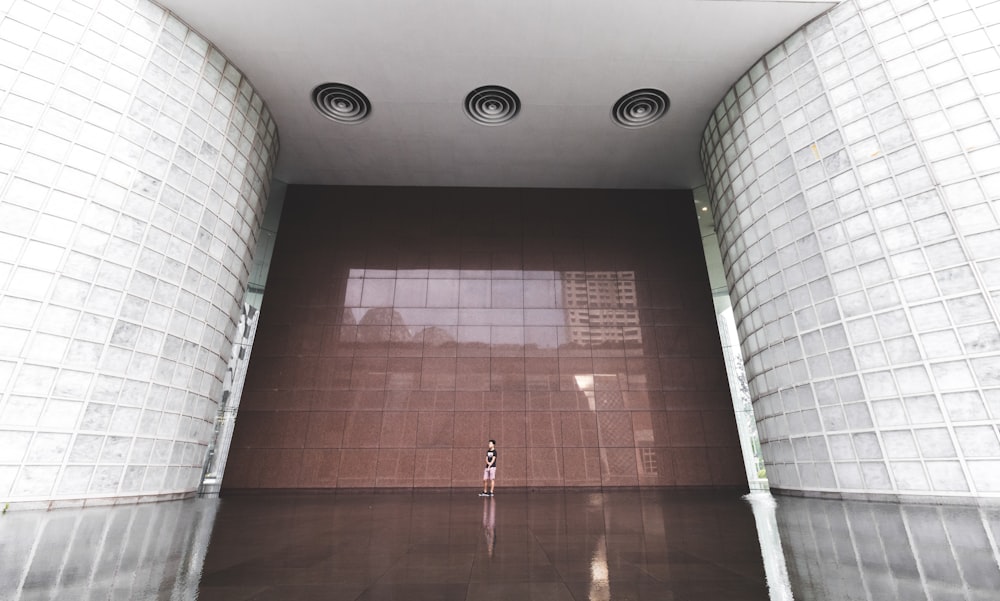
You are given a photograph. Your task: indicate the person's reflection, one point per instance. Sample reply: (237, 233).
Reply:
(489, 524)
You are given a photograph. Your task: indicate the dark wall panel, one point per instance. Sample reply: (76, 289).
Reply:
(404, 327)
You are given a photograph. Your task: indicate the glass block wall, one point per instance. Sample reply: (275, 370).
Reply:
(134, 166)
(855, 177)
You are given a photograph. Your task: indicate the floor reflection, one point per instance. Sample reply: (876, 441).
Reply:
(778, 586)
(517, 545)
(134, 552)
(573, 546)
(873, 551)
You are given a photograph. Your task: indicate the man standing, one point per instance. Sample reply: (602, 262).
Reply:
(490, 473)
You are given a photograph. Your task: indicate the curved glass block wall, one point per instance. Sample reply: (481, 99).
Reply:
(134, 170)
(854, 173)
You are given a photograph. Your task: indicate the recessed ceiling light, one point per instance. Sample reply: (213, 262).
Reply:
(640, 108)
(341, 102)
(492, 105)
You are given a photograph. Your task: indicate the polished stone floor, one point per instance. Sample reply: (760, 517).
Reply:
(572, 546)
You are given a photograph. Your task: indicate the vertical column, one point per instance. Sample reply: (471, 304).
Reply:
(735, 370)
(239, 357)
(134, 164)
(855, 176)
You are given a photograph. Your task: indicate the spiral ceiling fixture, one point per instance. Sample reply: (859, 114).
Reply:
(640, 108)
(341, 102)
(492, 105)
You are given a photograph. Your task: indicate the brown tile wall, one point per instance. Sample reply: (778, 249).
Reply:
(404, 327)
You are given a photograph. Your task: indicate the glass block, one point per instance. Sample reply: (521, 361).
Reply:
(909, 263)
(956, 93)
(858, 130)
(876, 476)
(935, 443)
(980, 338)
(842, 362)
(883, 296)
(904, 350)
(985, 475)
(956, 280)
(48, 448)
(841, 447)
(893, 323)
(978, 136)
(75, 479)
(106, 479)
(863, 330)
(963, 194)
(35, 481)
(966, 113)
(934, 228)
(867, 446)
(941, 147)
(945, 254)
(952, 168)
(6, 371)
(46, 348)
(965, 406)
(909, 475)
(978, 441)
(871, 356)
(968, 309)
(947, 476)
(879, 384)
(986, 371)
(982, 61)
(931, 125)
(34, 380)
(22, 411)
(848, 475)
(940, 344)
(882, 191)
(850, 388)
(889, 413)
(953, 375)
(899, 238)
(883, 96)
(896, 137)
(851, 110)
(985, 159)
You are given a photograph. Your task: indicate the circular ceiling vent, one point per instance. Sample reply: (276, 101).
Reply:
(640, 108)
(341, 102)
(492, 105)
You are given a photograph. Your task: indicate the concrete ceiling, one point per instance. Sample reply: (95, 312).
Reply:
(568, 61)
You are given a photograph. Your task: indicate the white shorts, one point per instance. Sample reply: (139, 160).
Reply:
(490, 473)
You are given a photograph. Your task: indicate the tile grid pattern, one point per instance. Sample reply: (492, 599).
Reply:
(854, 176)
(403, 328)
(134, 166)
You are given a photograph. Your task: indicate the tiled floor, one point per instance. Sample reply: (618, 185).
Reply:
(516, 545)
(571, 546)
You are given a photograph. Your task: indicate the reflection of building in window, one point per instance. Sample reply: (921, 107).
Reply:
(601, 307)
(649, 462)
